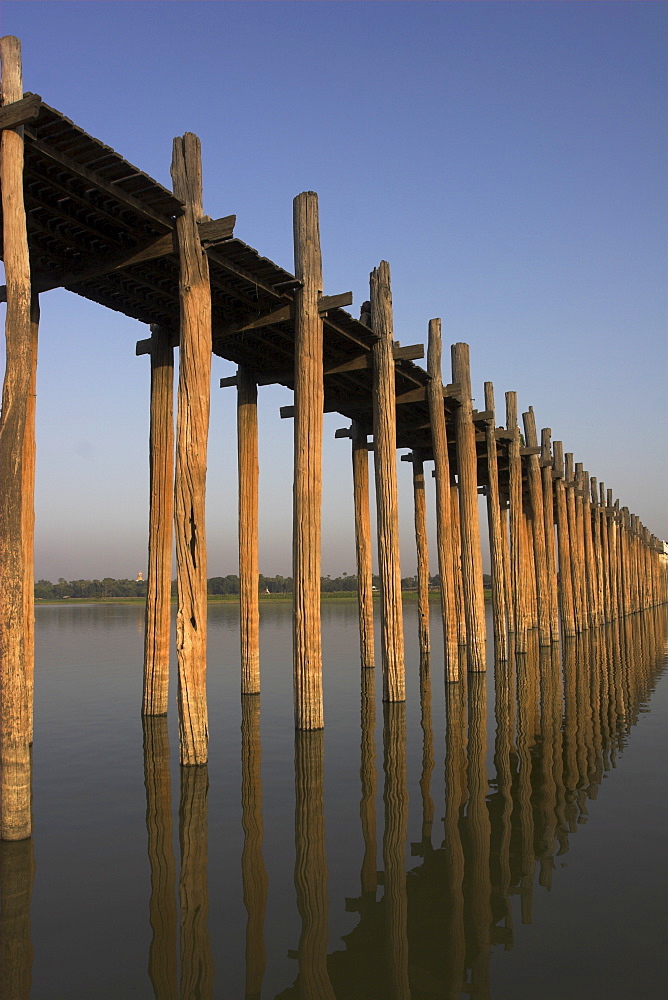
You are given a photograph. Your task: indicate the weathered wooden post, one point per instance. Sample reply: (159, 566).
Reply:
(581, 557)
(385, 462)
(499, 594)
(160, 527)
(15, 474)
(605, 553)
(443, 518)
(307, 490)
(564, 543)
(422, 549)
(249, 570)
(613, 556)
(363, 542)
(597, 551)
(549, 518)
(574, 535)
(467, 478)
(590, 564)
(192, 428)
(516, 549)
(538, 525)
(28, 528)
(457, 561)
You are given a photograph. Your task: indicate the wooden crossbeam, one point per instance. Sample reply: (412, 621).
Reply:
(410, 353)
(20, 112)
(286, 312)
(451, 391)
(109, 187)
(211, 232)
(526, 450)
(482, 416)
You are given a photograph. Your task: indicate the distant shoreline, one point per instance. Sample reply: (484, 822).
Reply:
(338, 595)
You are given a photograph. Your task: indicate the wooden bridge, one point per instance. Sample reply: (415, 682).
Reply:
(564, 557)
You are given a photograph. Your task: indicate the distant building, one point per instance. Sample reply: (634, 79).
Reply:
(140, 576)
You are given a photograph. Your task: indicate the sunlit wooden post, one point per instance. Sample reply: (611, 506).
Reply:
(597, 551)
(457, 562)
(191, 445)
(613, 556)
(564, 543)
(589, 560)
(249, 571)
(16, 475)
(605, 552)
(581, 558)
(363, 542)
(161, 518)
(516, 550)
(422, 549)
(443, 516)
(469, 522)
(387, 504)
(538, 526)
(549, 519)
(499, 594)
(307, 490)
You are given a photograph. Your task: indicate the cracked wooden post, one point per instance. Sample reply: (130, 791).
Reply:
(469, 521)
(28, 527)
(385, 461)
(15, 474)
(499, 595)
(535, 485)
(192, 428)
(307, 491)
(564, 544)
(249, 570)
(363, 542)
(161, 518)
(516, 549)
(422, 549)
(443, 517)
(550, 540)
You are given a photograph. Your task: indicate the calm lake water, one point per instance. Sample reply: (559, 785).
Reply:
(502, 838)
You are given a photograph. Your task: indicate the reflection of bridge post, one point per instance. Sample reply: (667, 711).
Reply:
(526, 702)
(550, 731)
(478, 836)
(369, 877)
(196, 959)
(311, 866)
(455, 769)
(17, 872)
(253, 873)
(427, 750)
(162, 904)
(395, 798)
(500, 837)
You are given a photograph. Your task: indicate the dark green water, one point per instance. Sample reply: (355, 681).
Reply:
(503, 838)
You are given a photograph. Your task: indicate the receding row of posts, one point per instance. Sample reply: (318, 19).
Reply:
(564, 558)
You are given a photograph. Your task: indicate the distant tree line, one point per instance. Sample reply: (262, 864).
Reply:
(217, 585)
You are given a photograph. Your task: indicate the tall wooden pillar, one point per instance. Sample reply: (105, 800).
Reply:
(422, 548)
(15, 475)
(443, 517)
(550, 548)
(456, 549)
(499, 596)
(564, 544)
(385, 462)
(192, 428)
(538, 524)
(581, 555)
(307, 490)
(613, 555)
(516, 552)
(28, 529)
(590, 562)
(605, 552)
(469, 522)
(249, 571)
(597, 551)
(161, 517)
(363, 542)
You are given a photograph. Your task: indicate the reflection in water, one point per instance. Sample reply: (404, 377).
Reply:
(368, 875)
(162, 966)
(313, 981)
(196, 960)
(17, 873)
(253, 871)
(395, 798)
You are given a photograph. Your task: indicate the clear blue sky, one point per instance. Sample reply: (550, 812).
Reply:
(507, 158)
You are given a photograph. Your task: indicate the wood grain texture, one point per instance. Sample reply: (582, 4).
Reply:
(15, 724)
(499, 597)
(360, 459)
(191, 452)
(307, 488)
(535, 485)
(444, 539)
(385, 467)
(563, 545)
(28, 518)
(422, 550)
(469, 522)
(160, 526)
(550, 537)
(515, 526)
(249, 568)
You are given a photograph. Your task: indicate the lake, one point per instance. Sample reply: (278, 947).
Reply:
(501, 838)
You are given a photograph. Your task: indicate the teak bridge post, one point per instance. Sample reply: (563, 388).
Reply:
(249, 568)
